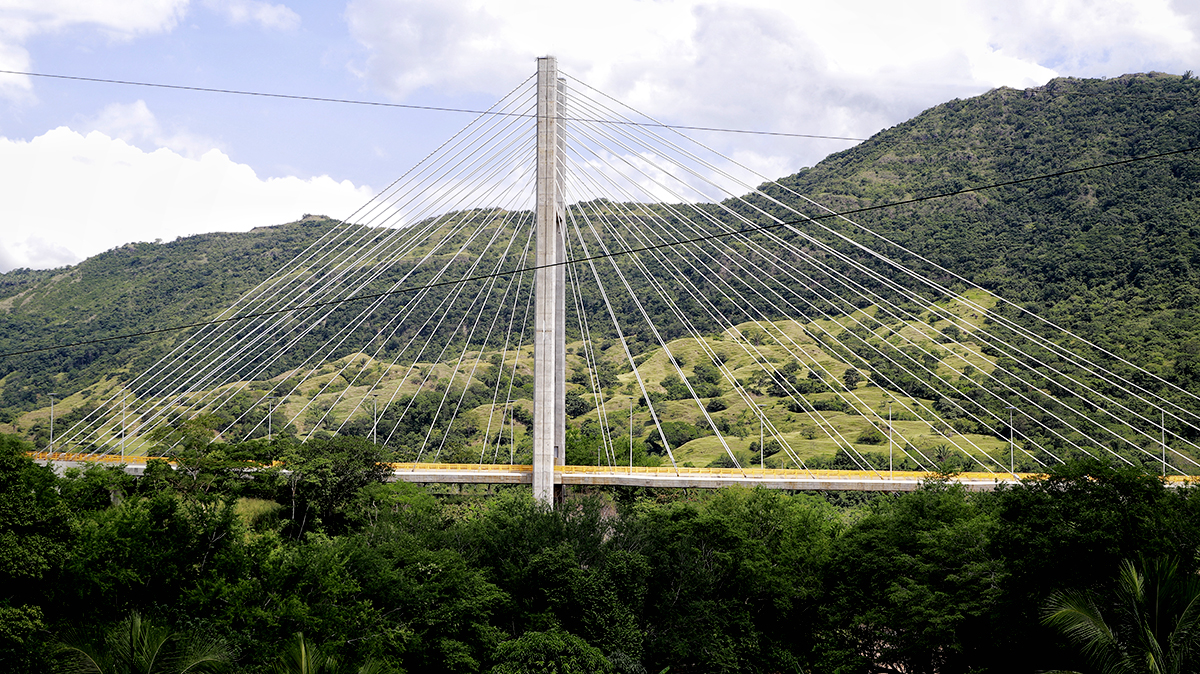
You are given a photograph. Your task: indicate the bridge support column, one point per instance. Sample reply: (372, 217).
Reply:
(549, 369)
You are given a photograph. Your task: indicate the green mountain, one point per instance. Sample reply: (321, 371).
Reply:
(1108, 254)
(132, 288)
(1112, 254)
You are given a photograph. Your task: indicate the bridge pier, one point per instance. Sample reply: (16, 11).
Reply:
(549, 369)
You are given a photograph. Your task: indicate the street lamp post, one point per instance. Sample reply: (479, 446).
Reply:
(762, 436)
(374, 420)
(1162, 428)
(889, 438)
(52, 423)
(1012, 451)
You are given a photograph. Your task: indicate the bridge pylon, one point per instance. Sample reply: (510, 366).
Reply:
(549, 406)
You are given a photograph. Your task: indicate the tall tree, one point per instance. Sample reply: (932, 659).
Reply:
(36, 536)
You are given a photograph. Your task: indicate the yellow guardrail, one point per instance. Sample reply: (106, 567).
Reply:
(639, 470)
(519, 468)
(81, 457)
(786, 472)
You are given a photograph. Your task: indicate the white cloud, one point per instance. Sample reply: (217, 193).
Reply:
(135, 124)
(274, 17)
(21, 20)
(120, 20)
(1086, 38)
(477, 45)
(846, 69)
(14, 57)
(65, 196)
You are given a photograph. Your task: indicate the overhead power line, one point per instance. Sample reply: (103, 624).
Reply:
(409, 106)
(616, 253)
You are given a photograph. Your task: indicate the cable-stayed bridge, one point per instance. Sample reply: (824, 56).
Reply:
(565, 256)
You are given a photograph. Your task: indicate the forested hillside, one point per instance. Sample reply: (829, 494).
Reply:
(1109, 255)
(1113, 253)
(136, 287)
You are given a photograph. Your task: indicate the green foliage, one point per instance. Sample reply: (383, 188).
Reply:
(553, 652)
(676, 432)
(675, 388)
(638, 580)
(37, 534)
(36, 524)
(829, 405)
(733, 580)
(755, 336)
(96, 486)
(1155, 627)
(1073, 530)
(871, 436)
(917, 580)
(301, 656)
(576, 404)
(322, 478)
(706, 380)
(21, 631)
(144, 552)
(585, 444)
(851, 378)
(139, 646)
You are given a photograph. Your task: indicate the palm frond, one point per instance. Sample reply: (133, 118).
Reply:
(200, 652)
(77, 655)
(1078, 617)
(301, 656)
(1156, 626)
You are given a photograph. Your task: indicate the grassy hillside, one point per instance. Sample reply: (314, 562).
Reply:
(339, 399)
(138, 286)
(1109, 255)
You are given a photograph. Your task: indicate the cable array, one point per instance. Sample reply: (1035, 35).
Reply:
(704, 300)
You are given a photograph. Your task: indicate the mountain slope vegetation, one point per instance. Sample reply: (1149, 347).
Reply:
(132, 288)
(1111, 253)
(1108, 254)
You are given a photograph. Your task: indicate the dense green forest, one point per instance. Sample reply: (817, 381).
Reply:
(1110, 253)
(412, 580)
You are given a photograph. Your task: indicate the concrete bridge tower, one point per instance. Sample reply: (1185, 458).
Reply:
(549, 408)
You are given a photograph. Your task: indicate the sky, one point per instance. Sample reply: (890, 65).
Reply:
(86, 167)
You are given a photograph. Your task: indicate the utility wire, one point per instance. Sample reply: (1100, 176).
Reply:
(629, 251)
(409, 106)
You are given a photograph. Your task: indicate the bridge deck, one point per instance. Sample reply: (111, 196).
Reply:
(701, 478)
(639, 476)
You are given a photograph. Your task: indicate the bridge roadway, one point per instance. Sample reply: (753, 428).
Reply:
(699, 478)
(639, 476)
